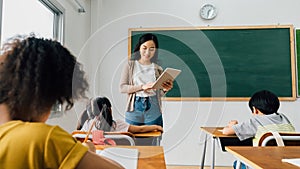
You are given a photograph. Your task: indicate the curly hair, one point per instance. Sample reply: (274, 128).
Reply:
(35, 74)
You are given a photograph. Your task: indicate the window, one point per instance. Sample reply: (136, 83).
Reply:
(44, 18)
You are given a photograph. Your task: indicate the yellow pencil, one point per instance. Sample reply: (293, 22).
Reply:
(90, 130)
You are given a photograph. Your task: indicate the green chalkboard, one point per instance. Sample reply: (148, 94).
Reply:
(298, 57)
(226, 63)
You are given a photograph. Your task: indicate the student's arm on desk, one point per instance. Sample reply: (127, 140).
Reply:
(144, 128)
(92, 160)
(228, 130)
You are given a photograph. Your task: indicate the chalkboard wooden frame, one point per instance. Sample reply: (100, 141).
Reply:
(288, 83)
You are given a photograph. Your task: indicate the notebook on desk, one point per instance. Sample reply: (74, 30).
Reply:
(127, 157)
(294, 161)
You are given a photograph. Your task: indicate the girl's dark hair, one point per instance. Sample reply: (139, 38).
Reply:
(36, 73)
(144, 38)
(100, 107)
(265, 101)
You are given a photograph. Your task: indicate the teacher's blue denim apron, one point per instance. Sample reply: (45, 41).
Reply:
(146, 112)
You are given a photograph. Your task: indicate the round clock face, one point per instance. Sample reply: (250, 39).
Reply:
(208, 11)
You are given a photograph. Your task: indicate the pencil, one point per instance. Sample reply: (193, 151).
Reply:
(89, 132)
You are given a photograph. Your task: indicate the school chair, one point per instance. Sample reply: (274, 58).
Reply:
(277, 139)
(288, 139)
(121, 138)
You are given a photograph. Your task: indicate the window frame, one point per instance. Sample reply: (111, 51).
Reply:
(58, 20)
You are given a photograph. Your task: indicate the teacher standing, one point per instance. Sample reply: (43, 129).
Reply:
(143, 103)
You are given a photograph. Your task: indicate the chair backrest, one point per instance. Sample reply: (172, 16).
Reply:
(289, 139)
(80, 135)
(121, 138)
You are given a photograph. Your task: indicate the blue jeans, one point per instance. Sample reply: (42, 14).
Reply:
(242, 165)
(146, 112)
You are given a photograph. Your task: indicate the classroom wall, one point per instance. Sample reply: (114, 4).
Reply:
(106, 50)
(77, 30)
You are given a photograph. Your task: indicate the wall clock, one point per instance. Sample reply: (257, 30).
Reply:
(208, 11)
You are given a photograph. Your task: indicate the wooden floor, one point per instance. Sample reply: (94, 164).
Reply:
(194, 167)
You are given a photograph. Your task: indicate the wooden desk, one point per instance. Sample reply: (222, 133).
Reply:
(148, 134)
(151, 135)
(150, 157)
(272, 156)
(225, 140)
(154, 134)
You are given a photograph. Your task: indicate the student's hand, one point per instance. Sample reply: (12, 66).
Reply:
(167, 85)
(232, 122)
(228, 130)
(90, 145)
(159, 128)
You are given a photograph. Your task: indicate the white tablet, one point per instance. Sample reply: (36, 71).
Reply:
(168, 74)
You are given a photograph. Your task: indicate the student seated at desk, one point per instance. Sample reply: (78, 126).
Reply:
(100, 110)
(35, 73)
(263, 105)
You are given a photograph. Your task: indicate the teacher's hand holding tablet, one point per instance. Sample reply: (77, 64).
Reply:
(167, 85)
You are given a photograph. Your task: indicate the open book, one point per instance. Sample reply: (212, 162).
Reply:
(294, 161)
(127, 157)
(168, 74)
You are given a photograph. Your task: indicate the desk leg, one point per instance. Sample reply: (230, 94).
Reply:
(204, 152)
(158, 141)
(213, 153)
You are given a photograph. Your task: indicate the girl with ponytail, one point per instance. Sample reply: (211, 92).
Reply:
(99, 109)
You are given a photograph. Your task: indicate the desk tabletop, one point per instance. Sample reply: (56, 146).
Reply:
(216, 132)
(272, 156)
(150, 157)
(147, 134)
